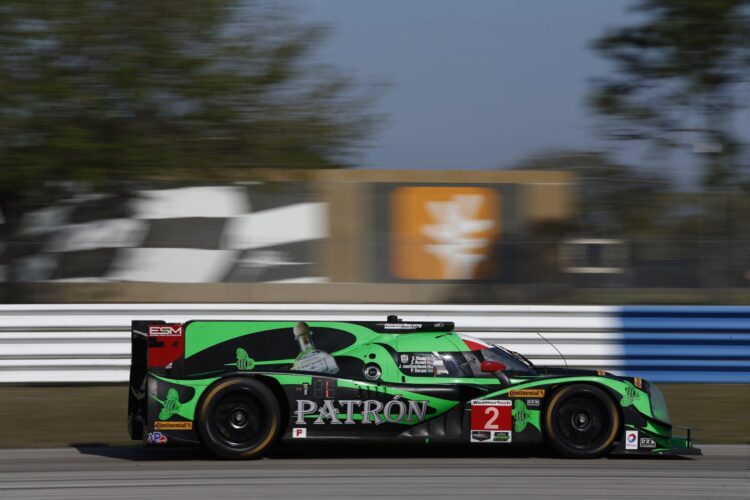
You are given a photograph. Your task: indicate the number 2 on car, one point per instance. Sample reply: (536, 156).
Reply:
(491, 415)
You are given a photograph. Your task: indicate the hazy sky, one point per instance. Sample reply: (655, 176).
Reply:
(477, 83)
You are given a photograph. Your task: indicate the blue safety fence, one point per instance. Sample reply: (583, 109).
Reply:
(687, 344)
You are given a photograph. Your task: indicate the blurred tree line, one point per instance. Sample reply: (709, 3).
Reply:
(680, 77)
(104, 91)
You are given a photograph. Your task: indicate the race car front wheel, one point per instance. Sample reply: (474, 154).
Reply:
(582, 421)
(239, 418)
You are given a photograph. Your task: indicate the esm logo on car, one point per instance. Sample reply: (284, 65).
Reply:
(165, 330)
(166, 344)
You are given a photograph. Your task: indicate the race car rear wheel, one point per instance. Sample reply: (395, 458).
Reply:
(582, 421)
(239, 418)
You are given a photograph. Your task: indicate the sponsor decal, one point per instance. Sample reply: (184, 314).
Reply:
(156, 438)
(533, 403)
(244, 361)
(174, 330)
(370, 411)
(309, 358)
(521, 416)
(402, 326)
(491, 415)
(631, 440)
(299, 432)
(490, 402)
(166, 345)
(491, 436)
(647, 442)
(160, 425)
(480, 436)
(631, 396)
(170, 406)
(404, 358)
(638, 382)
(527, 393)
(501, 437)
(316, 361)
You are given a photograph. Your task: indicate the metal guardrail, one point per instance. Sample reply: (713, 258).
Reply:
(89, 343)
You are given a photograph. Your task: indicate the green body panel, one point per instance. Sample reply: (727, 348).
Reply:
(186, 409)
(630, 395)
(200, 335)
(290, 378)
(522, 416)
(425, 342)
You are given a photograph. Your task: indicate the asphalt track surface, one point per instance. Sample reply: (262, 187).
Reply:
(113, 473)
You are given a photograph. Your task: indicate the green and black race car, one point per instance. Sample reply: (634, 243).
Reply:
(239, 387)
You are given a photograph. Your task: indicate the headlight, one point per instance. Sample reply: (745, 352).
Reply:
(659, 405)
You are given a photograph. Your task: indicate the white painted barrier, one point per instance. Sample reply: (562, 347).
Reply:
(90, 343)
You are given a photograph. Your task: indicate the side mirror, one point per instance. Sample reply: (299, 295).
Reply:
(497, 369)
(493, 366)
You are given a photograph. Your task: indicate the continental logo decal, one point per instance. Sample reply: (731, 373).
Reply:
(527, 393)
(161, 425)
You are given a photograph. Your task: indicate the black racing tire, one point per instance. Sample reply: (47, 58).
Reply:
(581, 421)
(239, 418)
